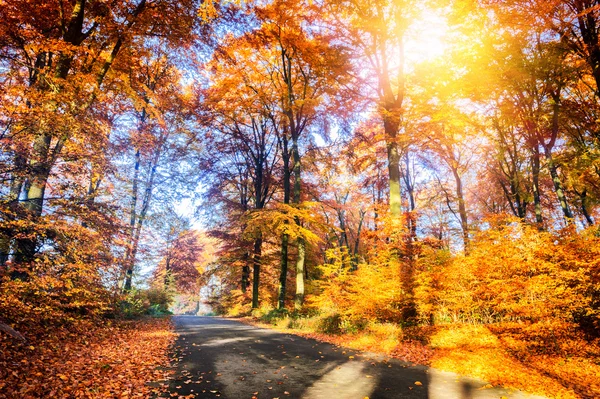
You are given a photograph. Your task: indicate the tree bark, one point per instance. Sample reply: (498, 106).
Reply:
(584, 210)
(283, 274)
(535, 175)
(462, 210)
(559, 189)
(285, 237)
(245, 277)
(256, 260)
(299, 299)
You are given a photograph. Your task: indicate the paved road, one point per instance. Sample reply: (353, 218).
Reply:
(221, 358)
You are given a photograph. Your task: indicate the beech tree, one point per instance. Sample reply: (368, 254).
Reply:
(244, 134)
(60, 57)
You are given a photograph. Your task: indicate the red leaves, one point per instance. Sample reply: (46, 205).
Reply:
(86, 360)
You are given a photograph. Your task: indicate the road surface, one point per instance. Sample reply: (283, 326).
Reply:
(226, 359)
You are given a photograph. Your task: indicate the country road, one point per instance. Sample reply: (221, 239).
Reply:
(222, 358)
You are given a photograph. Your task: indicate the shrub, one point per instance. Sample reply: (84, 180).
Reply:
(513, 272)
(330, 324)
(152, 301)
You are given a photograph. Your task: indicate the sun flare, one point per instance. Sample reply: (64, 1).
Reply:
(426, 38)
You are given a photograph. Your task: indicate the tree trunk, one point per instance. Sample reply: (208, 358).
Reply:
(12, 201)
(357, 241)
(245, 276)
(283, 274)
(393, 155)
(256, 272)
(130, 260)
(25, 248)
(462, 210)
(535, 172)
(285, 238)
(558, 188)
(299, 299)
(584, 209)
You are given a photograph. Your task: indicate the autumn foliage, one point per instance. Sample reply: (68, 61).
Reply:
(88, 360)
(403, 172)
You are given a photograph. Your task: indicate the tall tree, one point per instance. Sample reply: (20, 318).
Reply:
(63, 54)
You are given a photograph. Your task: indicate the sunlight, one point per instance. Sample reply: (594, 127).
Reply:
(426, 38)
(347, 380)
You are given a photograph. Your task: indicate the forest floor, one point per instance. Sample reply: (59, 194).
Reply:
(550, 360)
(109, 359)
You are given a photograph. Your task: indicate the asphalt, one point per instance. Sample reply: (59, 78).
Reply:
(223, 358)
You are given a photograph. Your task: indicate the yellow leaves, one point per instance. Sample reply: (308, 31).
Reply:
(418, 383)
(295, 221)
(342, 289)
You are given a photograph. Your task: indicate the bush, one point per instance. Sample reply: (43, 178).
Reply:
(274, 315)
(331, 324)
(152, 301)
(513, 272)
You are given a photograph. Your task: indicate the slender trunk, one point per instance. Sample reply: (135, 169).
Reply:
(411, 219)
(283, 275)
(357, 241)
(410, 185)
(535, 172)
(462, 210)
(285, 238)
(16, 185)
(245, 275)
(256, 272)
(300, 241)
(129, 258)
(299, 300)
(558, 188)
(393, 155)
(130, 262)
(584, 210)
(167, 269)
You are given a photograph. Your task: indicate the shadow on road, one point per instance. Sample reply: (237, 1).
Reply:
(220, 358)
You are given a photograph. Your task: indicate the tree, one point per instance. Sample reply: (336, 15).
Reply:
(246, 136)
(294, 75)
(66, 60)
(376, 31)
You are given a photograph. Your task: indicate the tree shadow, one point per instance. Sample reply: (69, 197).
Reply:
(220, 358)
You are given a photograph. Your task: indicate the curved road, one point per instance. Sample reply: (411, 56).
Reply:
(222, 358)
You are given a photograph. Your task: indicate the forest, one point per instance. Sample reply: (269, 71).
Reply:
(398, 175)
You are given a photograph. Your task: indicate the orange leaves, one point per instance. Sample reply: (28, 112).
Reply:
(87, 360)
(281, 219)
(513, 271)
